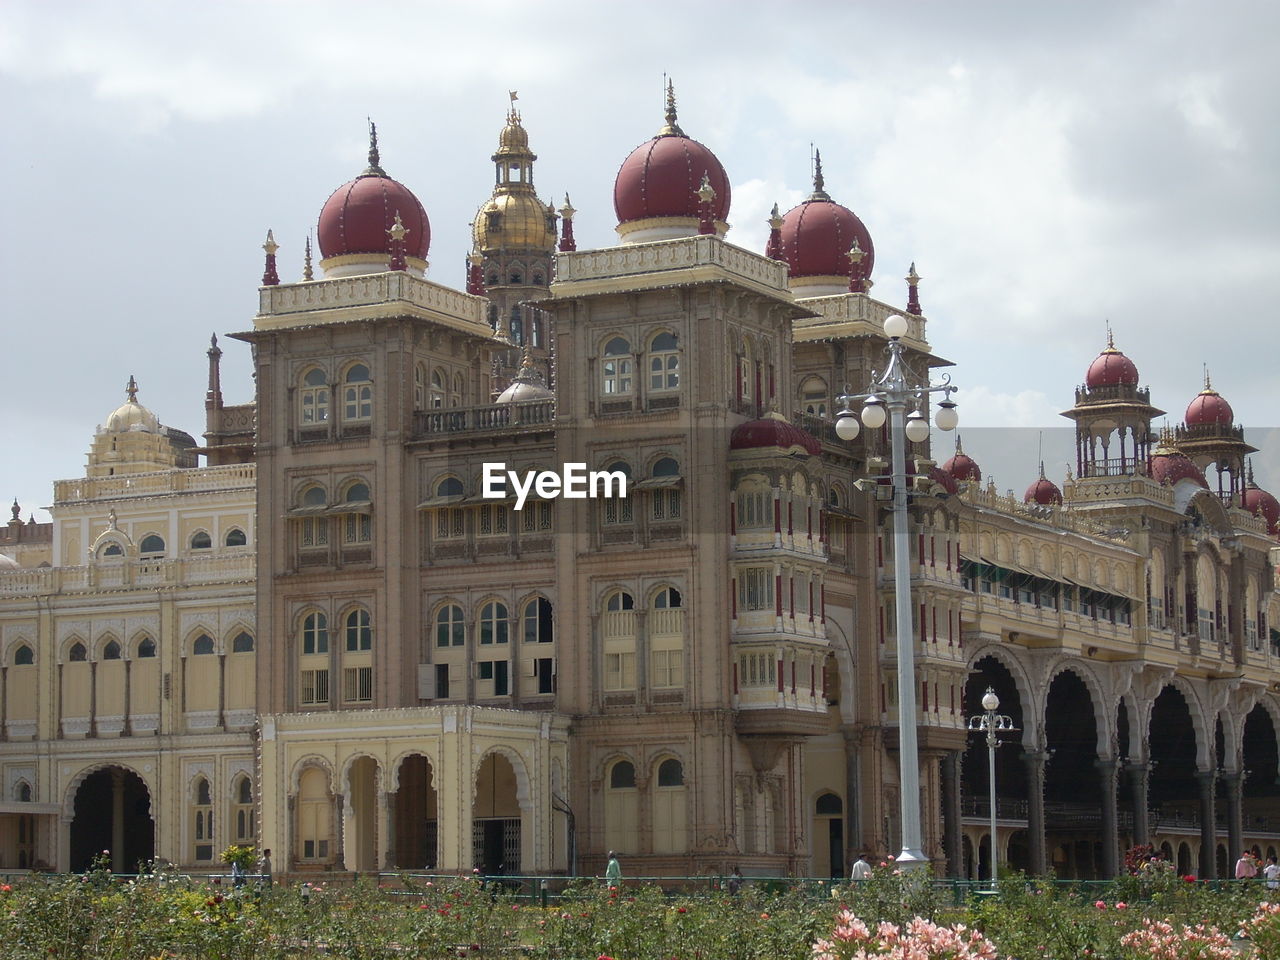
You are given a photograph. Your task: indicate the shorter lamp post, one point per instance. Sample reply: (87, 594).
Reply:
(990, 722)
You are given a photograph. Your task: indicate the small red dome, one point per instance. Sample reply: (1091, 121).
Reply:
(1110, 369)
(963, 467)
(946, 480)
(1170, 466)
(661, 178)
(817, 236)
(1208, 407)
(356, 218)
(773, 432)
(1256, 500)
(1044, 492)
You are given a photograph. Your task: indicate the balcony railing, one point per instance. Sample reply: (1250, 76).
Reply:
(490, 417)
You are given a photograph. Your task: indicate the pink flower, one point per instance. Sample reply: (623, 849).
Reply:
(1100, 904)
(1120, 905)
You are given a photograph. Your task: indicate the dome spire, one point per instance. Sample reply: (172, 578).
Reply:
(819, 184)
(671, 128)
(307, 272)
(567, 243)
(913, 292)
(375, 162)
(1111, 340)
(512, 115)
(131, 389)
(269, 276)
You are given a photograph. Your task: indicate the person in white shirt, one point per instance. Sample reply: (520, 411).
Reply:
(861, 870)
(1272, 872)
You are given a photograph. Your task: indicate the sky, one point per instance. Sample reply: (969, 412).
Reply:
(1049, 168)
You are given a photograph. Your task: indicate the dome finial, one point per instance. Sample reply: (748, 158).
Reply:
(307, 272)
(1111, 341)
(1207, 385)
(671, 128)
(512, 116)
(17, 510)
(375, 162)
(818, 182)
(131, 389)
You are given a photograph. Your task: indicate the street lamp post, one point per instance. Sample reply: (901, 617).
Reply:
(889, 397)
(990, 722)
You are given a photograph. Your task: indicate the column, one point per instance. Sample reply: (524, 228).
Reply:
(117, 821)
(1107, 771)
(1208, 825)
(1035, 811)
(1235, 817)
(951, 813)
(854, 841)
(1138, 781)
(382, 830)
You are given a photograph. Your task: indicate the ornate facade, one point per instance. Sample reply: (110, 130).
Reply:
(332, 641)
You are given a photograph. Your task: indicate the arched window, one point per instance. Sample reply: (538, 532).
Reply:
(493, 309)
(746, 375)
(235, 538)
(828, 805)
(451, 630)
(621, 813)
(111, 651)
(77, 653)
(419, 387)
(313, 397)
(23, 656)
(152, 546)
(202, 811)
(493, 623)
(616, 369)
(449, 518)
(517, 326)
(203, 645)
(242, 810)
(754, 507)
(313, 661)
(619, 509)
(455, 398)
(537, 279)
(112, 549)
(23, 792)
(357, 394)
(664, 493)
(669, 809)
(664, 363)
(357, 525)
(516, 276)
(437, 390)
(315, 815)
(813, 395)
(146, 648)
(315, 634)
(618, 633)
(668, 598)
(315, 525)
(242, 643)
(201, 541)
(539, 627)
(666, 640)
(359, 632)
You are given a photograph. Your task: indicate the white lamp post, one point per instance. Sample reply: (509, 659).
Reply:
(889, 397)
(989, 722)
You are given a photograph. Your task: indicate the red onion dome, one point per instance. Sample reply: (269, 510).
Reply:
(1209, 407)
(661, 177)
(773, 431)
(357, 216)
(945, 479)
(1169, 466)
(818, 234)
(1111, 368)
(1044, 492)
(1256, 500)
(962, 467)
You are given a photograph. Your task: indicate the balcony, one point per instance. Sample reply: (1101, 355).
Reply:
(511, 417)
(236, 476)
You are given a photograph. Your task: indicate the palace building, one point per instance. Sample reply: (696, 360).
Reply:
(315, 632)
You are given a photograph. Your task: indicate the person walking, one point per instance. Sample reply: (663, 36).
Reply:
(1272, 872)
(264, 868)
(861, 869)
(613, 871)
(735, 879)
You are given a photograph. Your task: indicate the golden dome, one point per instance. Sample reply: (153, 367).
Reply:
(513, 140)
(513, 221)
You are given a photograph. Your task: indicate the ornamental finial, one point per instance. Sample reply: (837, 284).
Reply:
(269, 276)
(1111, 341)
(307, 272)
(512, 116)
(375, 162)
(1207, 385)
(818, 182)
(131, 389)
(672, 127)
(16, 510)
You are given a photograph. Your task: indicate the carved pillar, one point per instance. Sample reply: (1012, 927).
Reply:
(853, 825)
(1035, 810)
(1207, 780)
(951, 813)
(1235, 817)
(1138, 782)
(1107, 774)
(383, 859)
